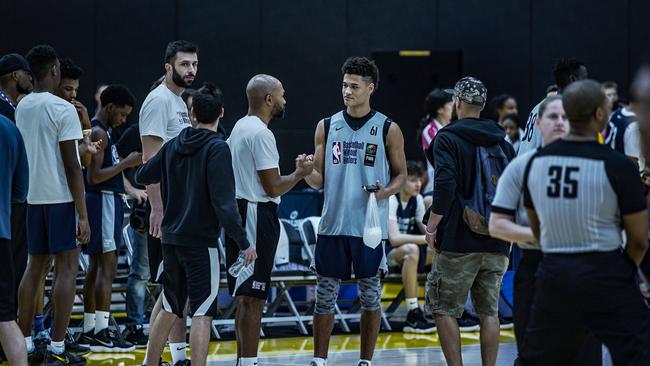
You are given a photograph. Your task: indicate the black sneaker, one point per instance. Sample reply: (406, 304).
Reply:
(183, 363)
(107, 341)
(505, 323)
(66, 358)
(72, 345)
(416, 323)
(134, 333)
(85, 339)
(37, 356)
(468, 323)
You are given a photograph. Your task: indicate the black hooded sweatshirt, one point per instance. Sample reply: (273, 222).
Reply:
(198, 189)
(454, 150)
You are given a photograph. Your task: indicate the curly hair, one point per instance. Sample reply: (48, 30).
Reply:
(363, 67)
(69, 70)
(564, 69)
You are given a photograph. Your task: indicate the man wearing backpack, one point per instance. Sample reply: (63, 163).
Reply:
(470, 155)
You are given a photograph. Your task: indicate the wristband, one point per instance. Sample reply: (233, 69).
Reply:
(426, 230)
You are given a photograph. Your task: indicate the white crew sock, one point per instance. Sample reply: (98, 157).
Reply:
(89, 322)
(178, 351)
(57, 347)
(360, 361)
(29, 343)
(320, 361)
(412, 303)
(248, 361)
(144, 361)
(101, 320)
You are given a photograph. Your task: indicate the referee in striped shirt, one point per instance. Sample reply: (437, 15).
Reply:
(578, 195)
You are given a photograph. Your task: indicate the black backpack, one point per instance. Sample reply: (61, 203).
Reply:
(491, 161)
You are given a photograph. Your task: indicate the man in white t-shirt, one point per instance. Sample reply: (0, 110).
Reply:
(51, 128)
(162, 117)
(258, 187)
(408, 246)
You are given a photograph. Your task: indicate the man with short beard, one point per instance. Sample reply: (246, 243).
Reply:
(15, 79)
(162, 117)
(258, 187)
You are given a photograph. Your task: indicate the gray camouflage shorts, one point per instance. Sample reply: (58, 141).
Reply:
(453, 275)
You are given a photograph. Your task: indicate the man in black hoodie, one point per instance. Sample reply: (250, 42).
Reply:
(465, 261)
(198, 194)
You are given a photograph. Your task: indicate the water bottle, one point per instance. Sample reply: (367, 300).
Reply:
(236, 267)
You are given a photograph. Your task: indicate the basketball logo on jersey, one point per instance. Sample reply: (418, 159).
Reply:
(337, 153)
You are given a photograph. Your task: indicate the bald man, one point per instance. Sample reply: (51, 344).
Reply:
(258, 187)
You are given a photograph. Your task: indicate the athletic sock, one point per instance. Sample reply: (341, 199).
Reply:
(29, 343)
(412, 303)
(57, 347)
(144, 361)
(320, 361)
(89, 322)
(38, 326)
(178, 351)
(366, 361)
(248, 361)
(101, 320)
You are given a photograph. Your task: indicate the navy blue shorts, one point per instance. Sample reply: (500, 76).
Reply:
(51, 229)
(337, 255)
(105, 217)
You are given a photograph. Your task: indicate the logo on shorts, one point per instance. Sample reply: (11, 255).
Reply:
(261, 286)
(337, 152)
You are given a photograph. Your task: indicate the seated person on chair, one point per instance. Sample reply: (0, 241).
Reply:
(407, 247)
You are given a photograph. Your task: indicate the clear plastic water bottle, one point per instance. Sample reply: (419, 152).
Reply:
(236, 267)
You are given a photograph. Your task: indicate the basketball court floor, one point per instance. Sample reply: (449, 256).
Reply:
(392, 349)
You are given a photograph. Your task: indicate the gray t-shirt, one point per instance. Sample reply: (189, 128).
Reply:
(509, 198)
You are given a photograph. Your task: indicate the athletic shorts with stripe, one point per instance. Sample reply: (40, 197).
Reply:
(191, 274)
(105, 217)
(260, 220)
(51, 228)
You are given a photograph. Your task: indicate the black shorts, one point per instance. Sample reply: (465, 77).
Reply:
(260, 220)
(7, 282)
(191, 274)
(154, 250)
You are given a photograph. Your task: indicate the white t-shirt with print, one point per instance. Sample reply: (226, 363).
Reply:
(163, 114)
(253, 148)
(44, 120)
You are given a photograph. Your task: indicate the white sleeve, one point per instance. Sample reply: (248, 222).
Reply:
(632, 140)
(509, 187)
(419, 209)
(392, 208)
(69, 124)
(152, 118)
(265, 151)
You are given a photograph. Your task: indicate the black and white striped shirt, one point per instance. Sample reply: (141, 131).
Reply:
(580, 190)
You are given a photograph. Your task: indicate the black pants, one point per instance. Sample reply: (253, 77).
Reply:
(590, 353)
(592, 292)
(18, 244)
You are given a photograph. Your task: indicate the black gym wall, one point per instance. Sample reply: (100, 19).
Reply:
(510, 44)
